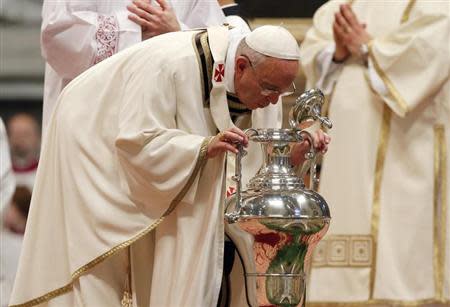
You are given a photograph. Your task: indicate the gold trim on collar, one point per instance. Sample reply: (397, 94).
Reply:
(379, 169)
(440, 208)
(199, 61)
(208, 57)
(201, 160)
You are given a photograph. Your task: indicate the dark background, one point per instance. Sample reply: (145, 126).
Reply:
(280, 8)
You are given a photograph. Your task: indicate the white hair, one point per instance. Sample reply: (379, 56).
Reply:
(255, 57)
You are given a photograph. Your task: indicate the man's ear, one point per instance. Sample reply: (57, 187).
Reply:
(240, 65)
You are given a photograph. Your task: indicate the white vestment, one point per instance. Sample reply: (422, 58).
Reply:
(385, 176)
(123, 173)
(78, 34)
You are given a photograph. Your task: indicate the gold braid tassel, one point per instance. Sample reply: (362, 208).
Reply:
(127, 298)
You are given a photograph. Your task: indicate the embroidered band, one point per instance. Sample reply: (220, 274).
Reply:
(344, 251)
(107, 37)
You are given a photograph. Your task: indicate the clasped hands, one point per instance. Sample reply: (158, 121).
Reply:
(153, 19)
(349, 34)
(229, 139)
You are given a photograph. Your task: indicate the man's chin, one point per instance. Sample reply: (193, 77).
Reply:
(263, 104)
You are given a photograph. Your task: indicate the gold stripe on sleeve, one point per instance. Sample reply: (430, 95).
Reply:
(201, 160)
(390, 86)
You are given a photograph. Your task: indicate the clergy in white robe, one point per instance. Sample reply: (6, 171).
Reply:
(128, 208)
(386, 177)
(78, 34)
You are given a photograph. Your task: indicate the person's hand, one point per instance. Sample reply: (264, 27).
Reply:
(341, 53)
(226, 141)
(349, 31)
(320, 140)
(153, 20)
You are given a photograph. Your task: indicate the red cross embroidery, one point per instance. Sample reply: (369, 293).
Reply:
(219, 72)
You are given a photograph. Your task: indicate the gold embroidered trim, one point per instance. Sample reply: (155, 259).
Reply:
(208, 56)
(440, 208)
(127, 297)
(379, 168)
(201, 160)
(407, 11)
(83, 269)
(379, 303)
(199, 61)
(444, 200)
(46, 297)
(344, 251)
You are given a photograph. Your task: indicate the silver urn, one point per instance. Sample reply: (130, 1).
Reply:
(276, 222)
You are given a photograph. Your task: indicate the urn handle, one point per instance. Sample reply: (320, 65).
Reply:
(308, 107)
(238, 170)
(310, 161)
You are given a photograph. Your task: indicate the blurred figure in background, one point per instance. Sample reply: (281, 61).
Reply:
(13, 221)
(16, 213)
(78, 34)
(7, 179)
(386, 66)
(7, 187)
(25, 140)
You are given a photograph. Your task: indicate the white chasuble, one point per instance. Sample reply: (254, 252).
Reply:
(125, 201)
(385, 175)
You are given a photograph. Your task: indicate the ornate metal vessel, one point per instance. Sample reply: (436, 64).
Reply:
(276, 222)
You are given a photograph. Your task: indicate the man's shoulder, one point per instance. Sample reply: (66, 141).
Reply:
(172, 40)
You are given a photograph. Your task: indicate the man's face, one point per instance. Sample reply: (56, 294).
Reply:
(24, 136)
(257, 87)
